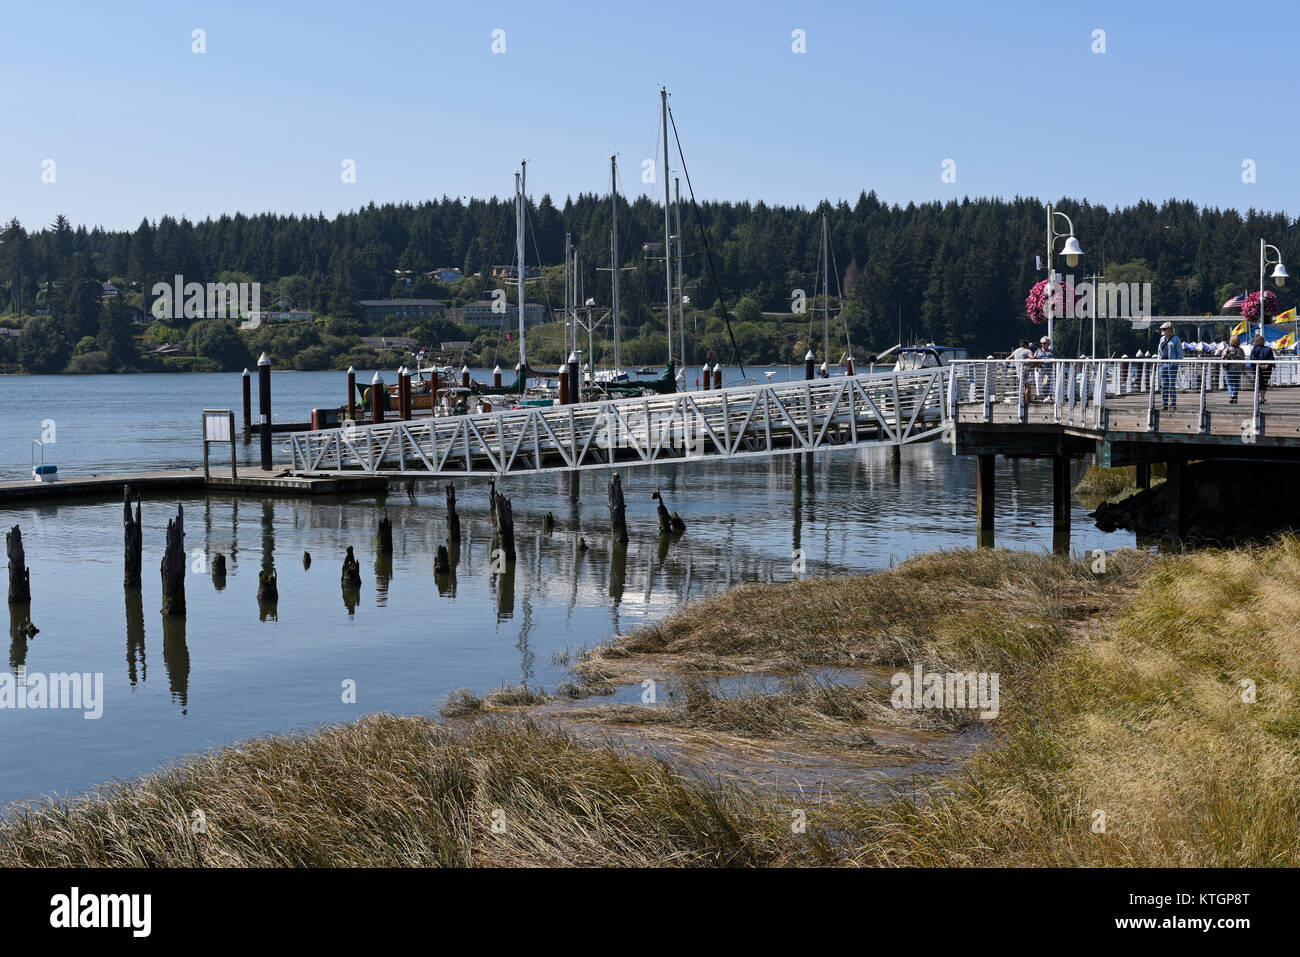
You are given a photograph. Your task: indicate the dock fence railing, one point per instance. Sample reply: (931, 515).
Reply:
(1078, 390)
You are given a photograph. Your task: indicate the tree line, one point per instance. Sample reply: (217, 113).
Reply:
(953, 272)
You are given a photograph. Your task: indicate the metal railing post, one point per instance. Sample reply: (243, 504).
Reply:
(1150, 382)
(1204, 419)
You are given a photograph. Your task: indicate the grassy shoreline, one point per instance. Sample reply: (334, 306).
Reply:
(1122, 694)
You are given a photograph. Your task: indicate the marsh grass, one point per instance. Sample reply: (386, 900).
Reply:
(1104, 484)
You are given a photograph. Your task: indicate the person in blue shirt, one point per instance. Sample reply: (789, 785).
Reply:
(1170, 350)
(1262, 353)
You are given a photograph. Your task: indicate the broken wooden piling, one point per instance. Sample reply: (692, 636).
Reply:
(384, 539)
(503, 524)
(20, 588)
(617, 511)
(268, 589)
(669, 523)
(306, 560)
(351, 571)
(442, 561)
(133, 548)
(173, 566)
(453, 520)
(548, 523)
(218, 571)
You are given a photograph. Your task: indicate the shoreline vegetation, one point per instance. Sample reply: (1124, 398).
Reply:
(1147, 717)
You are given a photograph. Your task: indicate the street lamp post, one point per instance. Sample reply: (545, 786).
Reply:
(1279, 275)
(1070, 250)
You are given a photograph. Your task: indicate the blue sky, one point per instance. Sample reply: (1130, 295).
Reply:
(139, 125)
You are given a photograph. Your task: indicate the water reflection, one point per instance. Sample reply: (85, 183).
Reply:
(176, 659)
(135, 657)
(19, 618)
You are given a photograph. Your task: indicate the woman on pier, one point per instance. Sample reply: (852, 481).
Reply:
(1170, 348)
(1232, 369)
(1263, 354)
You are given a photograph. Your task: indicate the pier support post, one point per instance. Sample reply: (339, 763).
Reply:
(1060, 491)
(717, 376)
(984, 489)
(384, 539)
(248, 405)
(132, 558)
(264, 410)
(708, 378)
(173, 566)
(617, 511)
(574, 381)
(352, 394)
(1143, 475)
(1177, 499)
(896, 460)
(808, 365)
(376, 400)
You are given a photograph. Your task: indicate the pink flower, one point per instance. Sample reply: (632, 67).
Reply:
(1250, 310)
(1036, 303)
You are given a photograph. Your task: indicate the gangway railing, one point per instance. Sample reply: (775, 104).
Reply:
(892, 408)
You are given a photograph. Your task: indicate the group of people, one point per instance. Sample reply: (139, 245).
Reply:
(1042, 375)
(1170, 350)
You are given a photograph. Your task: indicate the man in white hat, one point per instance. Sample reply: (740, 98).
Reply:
(1170, 349)
(1044, 353)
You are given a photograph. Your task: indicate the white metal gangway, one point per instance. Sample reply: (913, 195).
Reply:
(889, 408)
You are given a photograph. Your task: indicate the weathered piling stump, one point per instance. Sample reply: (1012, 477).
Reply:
(453, 520)
(218, 571)
(669, 523)
(582, 545)
(617, 511)
(306, 560)
(351, 571)
(384, 539)
(268, 589)
(173, 566)
(20, 588)
(548, 523)
(442, 561)
(133, 548)
(503, 524)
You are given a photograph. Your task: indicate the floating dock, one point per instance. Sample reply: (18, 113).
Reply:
(250, 480)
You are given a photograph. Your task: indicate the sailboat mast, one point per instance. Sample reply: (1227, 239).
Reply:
(613, 255)
(519, 218)
(668, 247)
(826, 295)
(681, 317)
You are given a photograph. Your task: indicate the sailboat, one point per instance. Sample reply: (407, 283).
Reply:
(847, 358)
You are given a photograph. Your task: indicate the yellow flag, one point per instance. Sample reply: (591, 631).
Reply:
(1286, 342)
(1288, 316)
(1239, 329)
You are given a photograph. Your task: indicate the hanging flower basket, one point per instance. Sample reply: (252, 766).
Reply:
(1036, 303)
(1250, 309)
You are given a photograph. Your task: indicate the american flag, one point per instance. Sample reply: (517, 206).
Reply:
(1236, 302)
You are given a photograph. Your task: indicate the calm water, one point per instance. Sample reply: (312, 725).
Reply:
(233, 669)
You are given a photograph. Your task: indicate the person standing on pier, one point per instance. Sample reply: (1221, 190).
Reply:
(1232, 369)
(1019, 356)
(1263, 354)
(1169, 351)
(1044, 373)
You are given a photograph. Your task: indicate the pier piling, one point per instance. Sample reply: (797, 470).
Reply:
(376, 400)
(264, 409)
(617, 511)
(985, 489)
(248, 404)
(453, 520)
(1060, 491)
(503, 524)
(352, 394)
(384, 538)
(442, 561)
(20, 588)
(132, 557)
(351, 571)
(173, 565)
(1143, 478)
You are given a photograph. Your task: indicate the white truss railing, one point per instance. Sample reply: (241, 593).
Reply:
(884, 407)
